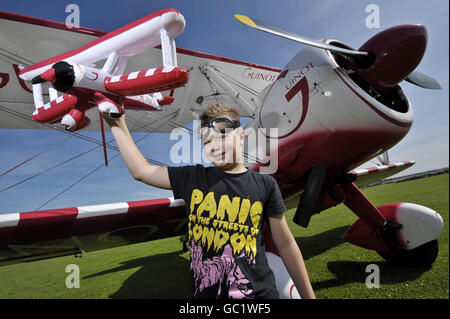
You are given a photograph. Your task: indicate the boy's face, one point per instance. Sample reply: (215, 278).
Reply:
(223, 144)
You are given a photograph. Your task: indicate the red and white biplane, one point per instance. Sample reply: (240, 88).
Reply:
(334, 107)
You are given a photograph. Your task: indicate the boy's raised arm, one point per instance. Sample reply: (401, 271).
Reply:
(138, 166)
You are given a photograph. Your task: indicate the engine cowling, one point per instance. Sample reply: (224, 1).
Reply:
(419, 225)
(75, 120)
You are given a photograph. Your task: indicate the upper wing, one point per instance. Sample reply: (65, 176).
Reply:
(59, 232)
(367, 176)
(26, 41)
(128, 40)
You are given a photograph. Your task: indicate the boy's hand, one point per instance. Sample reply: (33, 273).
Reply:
(113, 121)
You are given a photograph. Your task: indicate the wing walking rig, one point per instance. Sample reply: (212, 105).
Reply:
(84, 86)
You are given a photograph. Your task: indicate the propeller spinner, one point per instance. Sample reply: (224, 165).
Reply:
(61, 75)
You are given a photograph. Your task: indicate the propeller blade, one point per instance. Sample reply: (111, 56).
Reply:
(57, 71)
(37, 80)
(423, 80)
(260, 25)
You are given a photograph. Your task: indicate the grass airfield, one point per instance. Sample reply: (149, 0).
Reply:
(159, 269)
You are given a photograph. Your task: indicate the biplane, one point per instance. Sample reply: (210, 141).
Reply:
(334, 108)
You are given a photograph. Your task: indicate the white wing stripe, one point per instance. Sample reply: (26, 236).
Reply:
(9, 220)
(102, 210)
(115, 78)
(150, 72)
(176, 202)
(133, 75)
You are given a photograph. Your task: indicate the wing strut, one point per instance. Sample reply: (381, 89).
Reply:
(103, 138)
(224, 85)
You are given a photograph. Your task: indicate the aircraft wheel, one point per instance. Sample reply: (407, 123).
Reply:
(422, 256)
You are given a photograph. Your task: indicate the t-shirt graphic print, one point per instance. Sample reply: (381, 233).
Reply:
(226, 213)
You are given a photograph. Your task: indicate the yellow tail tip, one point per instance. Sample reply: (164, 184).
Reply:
(245, 20)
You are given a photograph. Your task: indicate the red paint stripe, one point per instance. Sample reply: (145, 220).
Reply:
(158, 71)
(148, 205)
(22, 82)
(290, 290)
(299, 86)
(43, 225)
(282, 74)
(155, 212)
(141, 74)
(302, 86)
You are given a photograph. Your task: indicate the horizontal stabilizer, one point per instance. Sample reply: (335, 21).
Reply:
(367, 176)
(55, 109)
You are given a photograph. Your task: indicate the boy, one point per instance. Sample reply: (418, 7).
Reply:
(227, 206)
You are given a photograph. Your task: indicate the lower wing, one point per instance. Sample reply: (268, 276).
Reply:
(51, 233)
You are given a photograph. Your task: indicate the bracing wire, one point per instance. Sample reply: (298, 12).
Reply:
(24, 117)
(88, 174)
(36, 155)
(75, 157)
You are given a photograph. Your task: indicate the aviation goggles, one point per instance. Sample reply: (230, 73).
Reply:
(220, 125)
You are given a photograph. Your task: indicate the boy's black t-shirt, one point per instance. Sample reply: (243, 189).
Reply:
(226, 215)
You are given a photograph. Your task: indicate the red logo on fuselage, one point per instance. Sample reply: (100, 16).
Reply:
(256, 75)
(297, 75)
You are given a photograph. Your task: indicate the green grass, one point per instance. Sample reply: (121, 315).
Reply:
(159, 269)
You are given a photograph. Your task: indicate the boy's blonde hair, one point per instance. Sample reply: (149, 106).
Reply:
(215, 111)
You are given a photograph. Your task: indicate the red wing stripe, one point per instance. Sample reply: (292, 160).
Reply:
(43, 225)
(364, 171)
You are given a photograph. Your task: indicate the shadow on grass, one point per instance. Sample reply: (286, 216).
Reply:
(320, 243)
(160, 276)
(355, 272)
(351, 271)
(167, 275)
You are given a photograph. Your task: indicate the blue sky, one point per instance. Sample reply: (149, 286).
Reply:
(211, 28)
